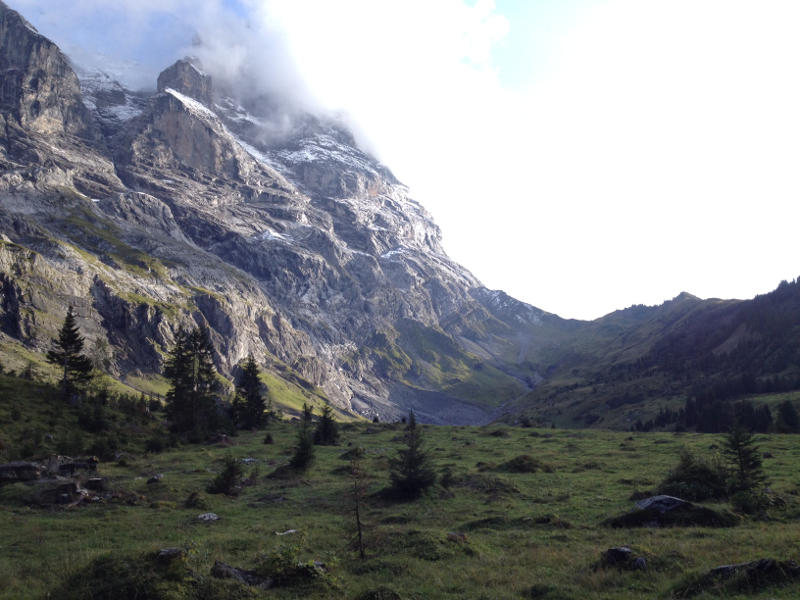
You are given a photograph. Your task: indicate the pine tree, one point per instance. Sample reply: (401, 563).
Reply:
(411, 473)
(304, 451)
(745, 458)
(76, 368)
(191, 400)
(326, 433)
(250, 399)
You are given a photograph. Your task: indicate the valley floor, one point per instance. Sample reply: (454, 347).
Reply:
(488, 534)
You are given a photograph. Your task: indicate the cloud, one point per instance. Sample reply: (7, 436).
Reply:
(655, 150)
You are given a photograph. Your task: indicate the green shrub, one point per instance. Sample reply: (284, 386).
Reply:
(229, 481)
(695, 479)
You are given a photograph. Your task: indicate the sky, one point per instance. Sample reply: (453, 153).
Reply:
(582, 155)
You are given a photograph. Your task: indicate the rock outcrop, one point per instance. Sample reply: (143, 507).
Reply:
(184, 208)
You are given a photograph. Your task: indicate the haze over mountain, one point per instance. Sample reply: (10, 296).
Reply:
(205, 203)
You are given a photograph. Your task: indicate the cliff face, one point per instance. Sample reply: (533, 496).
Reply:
(183, 208)
(39, 90)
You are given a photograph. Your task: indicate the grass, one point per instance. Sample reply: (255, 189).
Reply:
(533, 534)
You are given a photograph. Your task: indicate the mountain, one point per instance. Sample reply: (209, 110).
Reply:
(200, 205)
(633, 363)
(268, 225)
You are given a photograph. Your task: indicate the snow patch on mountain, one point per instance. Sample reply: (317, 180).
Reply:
(195, 107)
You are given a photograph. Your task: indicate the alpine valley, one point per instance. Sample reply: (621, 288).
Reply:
(197, 205)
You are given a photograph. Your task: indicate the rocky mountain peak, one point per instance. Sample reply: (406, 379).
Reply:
(186, 77)
(39, 89)
(267, 225)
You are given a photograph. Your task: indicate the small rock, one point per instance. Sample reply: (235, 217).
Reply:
(617, 556)
(155, 478)
(222, 571)
(249, 461)
(457, 536)
(287, 532)
(208, 517)
(167, 555)
(639, 564)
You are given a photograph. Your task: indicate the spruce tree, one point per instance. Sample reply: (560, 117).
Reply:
(745, 458)
(250, 399)
(304, 451)
(326, 433)
(411, 473)
(191, 400)
(76, 368)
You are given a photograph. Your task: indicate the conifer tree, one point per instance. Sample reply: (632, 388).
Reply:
(326, 433)
(304, 451)
(191, 400)
(411, 473)
(745, 458)
(250, 398)
(76, 368)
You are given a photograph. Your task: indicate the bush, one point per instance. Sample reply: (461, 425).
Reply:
(695, 479)
(229, 481)
(285, 568)
(105, 447)
(155, 444)
(750, 502)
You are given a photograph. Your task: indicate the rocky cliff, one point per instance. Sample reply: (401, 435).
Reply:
(191, 206)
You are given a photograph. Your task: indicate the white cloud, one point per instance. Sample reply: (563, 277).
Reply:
(657, 151)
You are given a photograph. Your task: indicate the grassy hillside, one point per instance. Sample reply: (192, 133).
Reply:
(490, 532)
(629, 364)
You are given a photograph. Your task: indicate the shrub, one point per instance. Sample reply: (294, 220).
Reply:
(155, 444)
(105, 447)
(750, 502)
(229, 481)
(695, 479)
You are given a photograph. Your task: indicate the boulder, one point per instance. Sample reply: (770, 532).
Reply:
(20, 471)
(223, 571)
(622, 557)
(208, 517)
(661, 503)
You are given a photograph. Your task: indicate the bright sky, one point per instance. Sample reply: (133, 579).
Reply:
(582, 155)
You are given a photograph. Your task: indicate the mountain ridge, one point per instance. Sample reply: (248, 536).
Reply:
(271, 227)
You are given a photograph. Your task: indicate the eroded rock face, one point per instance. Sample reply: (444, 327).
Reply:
(187, 78)
(287, 242)
(39, 89)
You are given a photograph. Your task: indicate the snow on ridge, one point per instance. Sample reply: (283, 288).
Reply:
(254, 152)
(192, 104)
(272, 235)
(392, 253)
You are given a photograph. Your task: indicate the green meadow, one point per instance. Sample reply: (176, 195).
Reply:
(484, 531)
